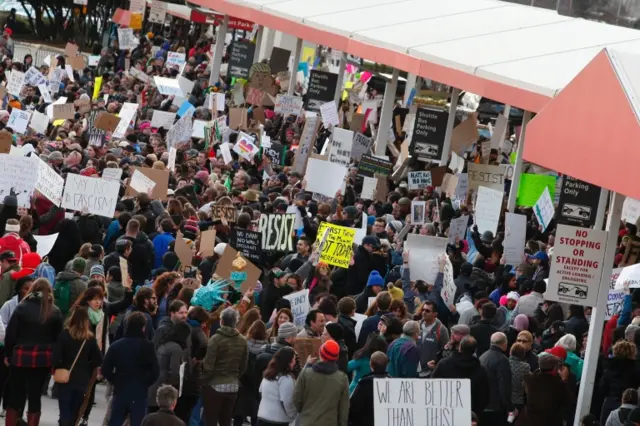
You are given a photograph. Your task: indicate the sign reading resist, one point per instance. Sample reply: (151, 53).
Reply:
(277, 231)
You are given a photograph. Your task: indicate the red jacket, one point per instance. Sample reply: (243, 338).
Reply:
(12, 241)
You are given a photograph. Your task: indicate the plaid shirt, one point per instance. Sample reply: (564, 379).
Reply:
(32, 356)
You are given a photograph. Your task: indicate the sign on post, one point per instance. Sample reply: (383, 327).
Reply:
(578, 204)
(576, 266)
(322, 88)
(241, 58)
(429, 130)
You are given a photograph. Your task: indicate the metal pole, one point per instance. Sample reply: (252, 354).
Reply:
(387, 113)
(602, 208)
(453, 107)
(256, 54)
(506, 112)
(219, 52)
(294, 74)
(599, 312)
(343, 64)
(517, 168)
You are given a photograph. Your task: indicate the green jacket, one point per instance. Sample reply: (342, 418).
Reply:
(327, 380)
(7, 284)
(226, 359)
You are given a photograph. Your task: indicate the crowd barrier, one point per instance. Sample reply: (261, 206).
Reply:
(38, 51)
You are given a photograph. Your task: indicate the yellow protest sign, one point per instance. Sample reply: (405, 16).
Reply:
(338, 247)
(136, 21)
(96, 88)
(57, 123)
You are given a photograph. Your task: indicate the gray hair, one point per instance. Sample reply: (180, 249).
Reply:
(630, 333)
(411, 328)
(166, 397)
(229, 317)
(498, 338)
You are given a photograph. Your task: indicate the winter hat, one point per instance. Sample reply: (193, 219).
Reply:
(78, 265)
(396, 225)
(557, 351)
(30, 262)
(462, 329)
(287, 330)
(521, 322)
(375, 279)
(330, 351)
(219, 248)
(202, 175)
(395, 292)
(547, 361)
(11, 227)
(466, 269)
(512, 295)
(503, 300)
(97, 270)
(334, 330)
(56, 156)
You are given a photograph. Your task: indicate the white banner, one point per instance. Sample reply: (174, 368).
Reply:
(515, 235)
(127, 113)
(93, 195)
(488, 207)
(423, 256)
(17, 177)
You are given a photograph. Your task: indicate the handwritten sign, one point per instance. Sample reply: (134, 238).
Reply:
(18, 120)
(484, 175)
(97, 196)
(544, 209)
(515, 233)
(15, 83)
(488, 207)
(223, 211)
(141, 183)
(158, 12)
(423, 256)
(245, 146)
(175, 59)
(341, 145)
(112, 173)
(288, 105)
(49, 182)
(299, 306)
(248, 243)
(419, 180)
(162, 119)
(338, 248)
(433, 402)
(63, 111)
(361, 145)
(277, 231)
(17, 177)
(127, 113)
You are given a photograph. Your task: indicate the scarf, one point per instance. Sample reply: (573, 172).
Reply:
(95, 316)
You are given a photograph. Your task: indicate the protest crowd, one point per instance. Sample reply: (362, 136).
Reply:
(226, 251)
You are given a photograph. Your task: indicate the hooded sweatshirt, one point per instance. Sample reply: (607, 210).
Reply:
(322, 378)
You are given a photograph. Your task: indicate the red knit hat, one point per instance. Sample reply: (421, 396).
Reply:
(558, 351)
(330, 351)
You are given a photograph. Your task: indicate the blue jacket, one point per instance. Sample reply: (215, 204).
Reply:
(403, 356)
(625, 316)
(131, 365)
(359, 367)
(111, 233)
(161, 245)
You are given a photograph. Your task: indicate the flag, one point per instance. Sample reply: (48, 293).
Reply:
(227, 183)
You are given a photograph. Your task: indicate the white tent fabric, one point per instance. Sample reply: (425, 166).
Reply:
(528, 48)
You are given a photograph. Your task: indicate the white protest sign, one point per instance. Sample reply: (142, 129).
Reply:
(341, 144)
(419, 180)
(324, 177)
(175, 59)
(180, 132)
(158, 12)
(515, 233)
(361, 145)
(198, 129)
(45, 243)
(288, 105)
(15, 83)
(141, 183)
(171, 163)
(630, 210)
(245, 146)
(39, 122)
(544, 209)
(69, 71)
(458, 229)
(220, 101)
(44, 91)
(498, 132)
(329, 114)
(432, 402)
(615, 299)
(127, 113)
(457, 163)
(369, 185)
(631, 274)
(126, 39)
(487, 211)
(17, 177)
(93, 60)
(19, 120)
(96, 196)
(162, 119)
(299, 306)
(140, 75)
(462, 186)
(448, 292)
(225, 148)
(576, 265)
(423, 256)
(111, 173)
(168, 86)
(33, 77)
(49, 183)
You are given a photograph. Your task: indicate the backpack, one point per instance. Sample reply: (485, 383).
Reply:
(62, 296)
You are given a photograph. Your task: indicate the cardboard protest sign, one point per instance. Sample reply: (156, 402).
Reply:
(124, 269)
(449, 184)
(223, 211)
(464, 134)
(487, 209)
(531, 187)
(277, 231)
(307, 346)
(75, 63)
(576, 265)
(341, 145)
(183, 251)
(324, 177)
(484, 175)
(279, 60)
(71, 49)
(419, 180)
(63, 111)
(578, 203)
(356, 123)
(423, 256)
(255, 96)
(161, 179)
(429, 130)
(448, 400)
(338, 247)
(50, 184)
(241, 58)
(6, 141)
(370, 166)
(94, 195)
(207, 242)
(107, 122)
(234, 267)
(321, 89)
(382, 188)
(299, 306)
(307, 140)
(17, 177)
(248, 243)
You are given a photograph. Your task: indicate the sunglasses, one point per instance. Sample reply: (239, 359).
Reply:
(426, 311)
(523, 341)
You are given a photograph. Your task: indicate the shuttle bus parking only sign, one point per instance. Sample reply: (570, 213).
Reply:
(576, 266)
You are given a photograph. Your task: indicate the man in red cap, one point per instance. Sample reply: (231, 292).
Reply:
(332, 407)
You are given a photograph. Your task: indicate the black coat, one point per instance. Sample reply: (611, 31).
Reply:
(547, 399)
(482, 331)
(141, 259)
(162, 418)
(65, 351)
(461, 366)
(499, 371)
(358, 273)
(361, 401)
(619, 374)
(348, 333)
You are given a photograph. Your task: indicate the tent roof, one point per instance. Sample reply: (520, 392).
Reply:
(590, 130)
(519, 55)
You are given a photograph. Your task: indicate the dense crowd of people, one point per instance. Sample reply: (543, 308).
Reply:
(112, 302)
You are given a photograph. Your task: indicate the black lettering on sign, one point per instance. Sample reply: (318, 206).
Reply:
(225, 211)
(277, 232)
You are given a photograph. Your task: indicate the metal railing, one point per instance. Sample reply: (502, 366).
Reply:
(38, 51)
